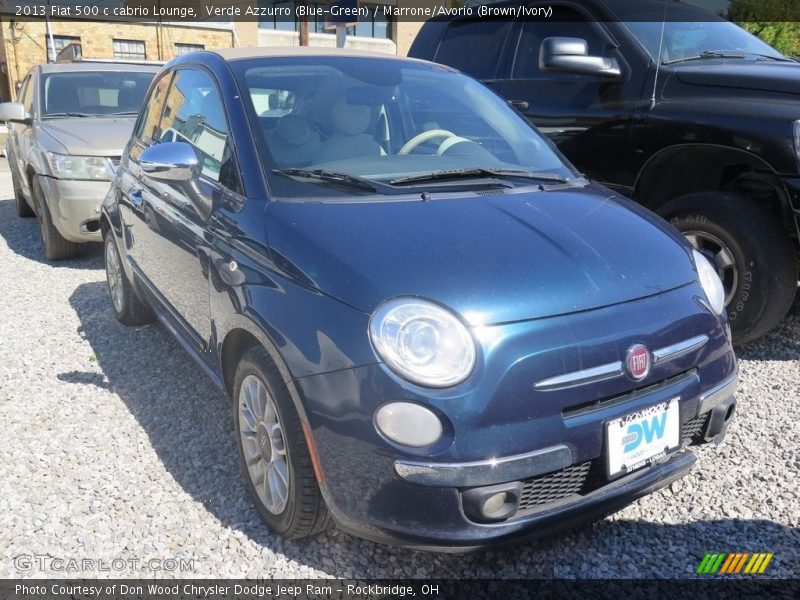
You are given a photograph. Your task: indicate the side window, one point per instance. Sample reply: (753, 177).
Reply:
(147, 127)
(534, 32)
(473, 47)
(193, 113)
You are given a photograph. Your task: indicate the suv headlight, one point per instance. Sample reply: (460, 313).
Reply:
(65, 166)
(423, 342)
(710, 281)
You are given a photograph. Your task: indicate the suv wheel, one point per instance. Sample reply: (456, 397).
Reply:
(275, 458)
(21, 206)
(128, 307)
(754, 256)
(54, 245)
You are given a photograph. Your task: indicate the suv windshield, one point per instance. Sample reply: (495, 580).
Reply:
(93, 93)
(690, 40)
(348, 125)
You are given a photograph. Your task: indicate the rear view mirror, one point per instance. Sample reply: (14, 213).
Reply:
(171, 161)
(571, 55)
(14, 112)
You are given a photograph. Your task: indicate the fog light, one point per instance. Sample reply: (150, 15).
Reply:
(494, 503)
(408, 424)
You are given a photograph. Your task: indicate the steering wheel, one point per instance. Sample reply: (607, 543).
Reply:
(423, 137)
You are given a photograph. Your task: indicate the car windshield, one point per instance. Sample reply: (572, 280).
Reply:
(348, 126)
(93, 93)
(691, 40)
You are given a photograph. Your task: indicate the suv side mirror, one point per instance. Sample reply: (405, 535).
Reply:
(171, 161)
(14, 112)
(571, 55)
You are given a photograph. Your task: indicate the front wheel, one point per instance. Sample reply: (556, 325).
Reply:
(753, 255)
(128, 307)
(54, 245)
(276, 461)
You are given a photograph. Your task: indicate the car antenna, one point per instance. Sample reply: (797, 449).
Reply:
(658, 58)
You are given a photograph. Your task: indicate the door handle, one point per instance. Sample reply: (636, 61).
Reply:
(136, 196)
(520, 105)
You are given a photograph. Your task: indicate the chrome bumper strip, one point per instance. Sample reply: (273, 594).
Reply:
(485, 472)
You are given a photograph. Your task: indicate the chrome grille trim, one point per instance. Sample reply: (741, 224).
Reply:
(581, 377)
(615, 369)
(676, 350)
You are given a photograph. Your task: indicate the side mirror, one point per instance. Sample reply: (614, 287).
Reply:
(571, 55)
(171, 161)
(14, 112)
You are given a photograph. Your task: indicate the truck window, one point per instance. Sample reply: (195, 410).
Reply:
(473, 47)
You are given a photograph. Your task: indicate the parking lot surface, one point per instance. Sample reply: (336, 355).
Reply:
(114, 445)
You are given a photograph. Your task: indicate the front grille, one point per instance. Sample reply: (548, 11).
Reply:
(693, 428)
(580, 479)
(584, 478)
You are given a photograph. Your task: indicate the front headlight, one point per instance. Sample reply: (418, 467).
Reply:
(710, 281)
(65, 166)
(423, 342)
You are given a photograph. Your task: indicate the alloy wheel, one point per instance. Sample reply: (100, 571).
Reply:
(114, 276)
(263, 443)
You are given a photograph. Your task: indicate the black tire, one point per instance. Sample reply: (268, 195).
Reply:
(55, 247)
(132, 309)
(21, 206)
(305, 513)
(762, 283)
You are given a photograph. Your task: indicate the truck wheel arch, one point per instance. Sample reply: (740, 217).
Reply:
(684, 169)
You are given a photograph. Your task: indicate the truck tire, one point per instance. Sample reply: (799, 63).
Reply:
(54, 245)
(753, 254)
(21, 206)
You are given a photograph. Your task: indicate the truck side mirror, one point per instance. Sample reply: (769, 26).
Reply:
(571, 55)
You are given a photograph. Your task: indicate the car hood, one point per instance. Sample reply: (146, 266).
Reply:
(88, 136)
(493, 259)
(766, 76)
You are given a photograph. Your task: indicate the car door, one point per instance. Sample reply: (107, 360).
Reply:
(171, 244)
(589, 118)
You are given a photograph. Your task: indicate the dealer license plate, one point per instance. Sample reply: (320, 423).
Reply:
(641, 438)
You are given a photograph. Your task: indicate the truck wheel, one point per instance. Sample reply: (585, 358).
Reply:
(754, 256)
(54, 245)
(23, 209)
(275, 458)
(128, 307)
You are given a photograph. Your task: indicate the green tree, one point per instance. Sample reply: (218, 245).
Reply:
(774, 21)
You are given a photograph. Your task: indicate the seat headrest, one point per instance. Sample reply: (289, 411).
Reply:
(294, 131)
(350, 119)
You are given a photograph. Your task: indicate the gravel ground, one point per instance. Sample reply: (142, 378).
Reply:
(114, 445)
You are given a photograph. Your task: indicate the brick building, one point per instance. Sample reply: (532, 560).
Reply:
(25, 43)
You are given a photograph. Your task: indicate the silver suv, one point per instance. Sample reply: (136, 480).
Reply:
(64, 141)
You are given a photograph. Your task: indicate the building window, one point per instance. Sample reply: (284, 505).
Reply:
(181, 49)
(375, 26)
(59, 42)
(129, 49)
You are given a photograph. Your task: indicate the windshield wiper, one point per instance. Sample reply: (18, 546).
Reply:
(704, 55)
(334, 177)
(479, 172)
(772, 57)
(68, 114)
(121, 113)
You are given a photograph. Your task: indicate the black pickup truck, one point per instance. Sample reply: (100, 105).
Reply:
(669, 104)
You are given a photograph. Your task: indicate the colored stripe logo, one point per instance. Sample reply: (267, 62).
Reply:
(734, 562)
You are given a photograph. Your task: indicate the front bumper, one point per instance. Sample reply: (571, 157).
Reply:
(501, 429)
(75, 207)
